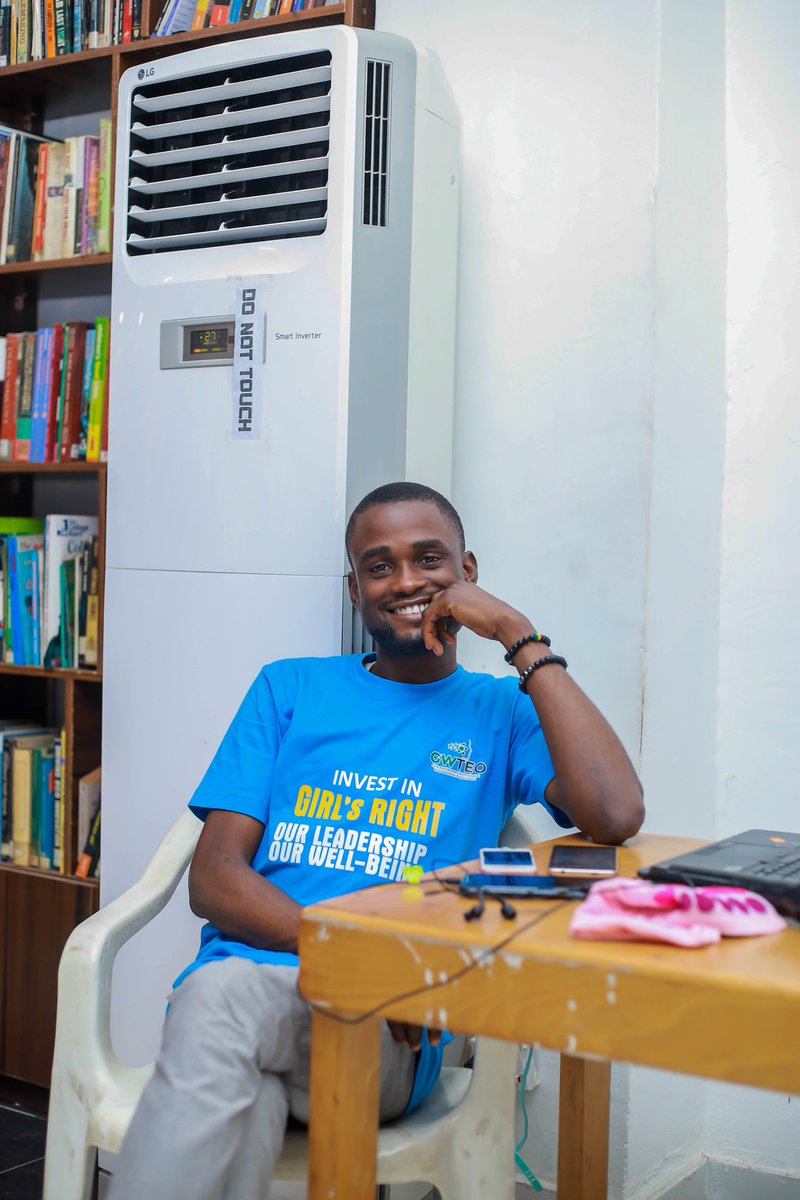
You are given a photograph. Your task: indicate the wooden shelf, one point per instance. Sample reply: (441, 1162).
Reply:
(56, 264)
(332, 14)
(53, 876)
(10, 467)
(84, 675)
(37, 913)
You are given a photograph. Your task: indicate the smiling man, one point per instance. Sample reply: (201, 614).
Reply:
(334, 775)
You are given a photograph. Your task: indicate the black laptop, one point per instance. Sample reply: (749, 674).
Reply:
(764, 860)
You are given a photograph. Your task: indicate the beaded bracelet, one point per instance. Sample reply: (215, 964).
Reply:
(530, 637)
(540, 662)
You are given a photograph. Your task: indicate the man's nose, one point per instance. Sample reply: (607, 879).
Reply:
(408, 578)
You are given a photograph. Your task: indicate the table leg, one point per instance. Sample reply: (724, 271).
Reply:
(343, 1109)
(583, 1110)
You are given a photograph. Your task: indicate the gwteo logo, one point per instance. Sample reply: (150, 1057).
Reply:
(457, 761)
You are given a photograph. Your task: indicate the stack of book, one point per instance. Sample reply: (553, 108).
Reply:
(34, 802)
(35, 29)
(179, 15)
(31, 758)
(55, 197)
(49, 583)
(54, 398)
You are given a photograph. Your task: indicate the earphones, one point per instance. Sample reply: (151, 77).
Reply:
(477, 910)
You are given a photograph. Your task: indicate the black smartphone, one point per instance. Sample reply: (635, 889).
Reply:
(594, 861)
(545, 887)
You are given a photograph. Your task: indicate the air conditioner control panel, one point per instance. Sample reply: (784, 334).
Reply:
(197, 343)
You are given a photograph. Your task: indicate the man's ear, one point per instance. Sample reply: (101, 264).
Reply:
(352, 587)
(469, 564)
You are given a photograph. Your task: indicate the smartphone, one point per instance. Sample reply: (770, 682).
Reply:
(542, 886)
(595, 861)
(515, 862)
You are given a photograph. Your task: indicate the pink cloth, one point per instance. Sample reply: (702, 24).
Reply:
(623, 910)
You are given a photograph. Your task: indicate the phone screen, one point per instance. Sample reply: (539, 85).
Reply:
(583, 860)
(500, 859)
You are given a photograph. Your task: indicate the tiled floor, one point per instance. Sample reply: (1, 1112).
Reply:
(22, 1136)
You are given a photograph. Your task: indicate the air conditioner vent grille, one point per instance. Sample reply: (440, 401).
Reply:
(377, 113)
(230, 156)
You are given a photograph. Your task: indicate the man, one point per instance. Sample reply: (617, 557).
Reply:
(334, 775)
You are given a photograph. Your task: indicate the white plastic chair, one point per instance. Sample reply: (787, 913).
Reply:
(461, 1139)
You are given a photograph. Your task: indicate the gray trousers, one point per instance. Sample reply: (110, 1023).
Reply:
(234, 1062)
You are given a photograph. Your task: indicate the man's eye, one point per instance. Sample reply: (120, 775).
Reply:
(379, 568)
(430, 560)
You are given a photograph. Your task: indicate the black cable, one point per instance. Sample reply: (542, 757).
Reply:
(432, 987)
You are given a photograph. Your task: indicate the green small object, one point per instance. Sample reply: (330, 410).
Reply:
(412, 874)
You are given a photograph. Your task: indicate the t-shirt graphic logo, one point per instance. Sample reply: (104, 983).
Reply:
(457, 761)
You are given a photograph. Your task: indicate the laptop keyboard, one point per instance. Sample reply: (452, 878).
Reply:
(781, 869)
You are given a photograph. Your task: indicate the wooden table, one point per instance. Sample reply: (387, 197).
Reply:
(723, 1012)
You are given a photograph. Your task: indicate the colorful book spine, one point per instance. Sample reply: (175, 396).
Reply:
(86, 390)
(97, 392)
(90, 856)
(104, 188)
(8, 414)
(50, 28)
(58, 840)
(37, 246)
(36, 431)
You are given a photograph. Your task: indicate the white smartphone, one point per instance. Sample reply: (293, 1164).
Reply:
(583, 860)
(501, 861)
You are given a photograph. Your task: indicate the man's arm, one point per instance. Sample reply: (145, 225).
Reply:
(224, 888)
(595, 783)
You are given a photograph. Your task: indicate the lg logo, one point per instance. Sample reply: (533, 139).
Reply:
(145, 72)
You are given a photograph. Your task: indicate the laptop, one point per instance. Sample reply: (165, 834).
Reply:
(766, 861)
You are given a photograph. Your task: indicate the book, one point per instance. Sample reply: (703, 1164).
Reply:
(10, 399)
(21, 794)
(8, 731)
(28, 605)
(97, 390)
(43, 840)
(8, 191)
(89, 860)
(40, 395)
(64, 538)
(92, 610)
(58, 833)
(104, 188)
(10, 526)
(53, 232)
(20, 449)
(14, 576)
(88, 803)
(86, 390)
(39, 203)
(72, 384)
(200, 15)
(69, 580)
(20, 200)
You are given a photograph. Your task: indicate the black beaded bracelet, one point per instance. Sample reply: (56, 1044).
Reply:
(540, 662)
(530, 637)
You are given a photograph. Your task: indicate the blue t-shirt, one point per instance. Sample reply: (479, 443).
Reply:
(355, 777)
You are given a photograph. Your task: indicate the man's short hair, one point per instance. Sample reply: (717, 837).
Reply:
(397, 493)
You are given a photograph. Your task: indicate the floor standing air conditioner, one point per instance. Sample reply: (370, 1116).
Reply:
(281, 342)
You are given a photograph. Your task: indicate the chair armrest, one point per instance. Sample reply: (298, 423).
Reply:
(519, 829)
(84, 974)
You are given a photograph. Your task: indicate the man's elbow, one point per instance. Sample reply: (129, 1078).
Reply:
(198, 892)
(624, 819)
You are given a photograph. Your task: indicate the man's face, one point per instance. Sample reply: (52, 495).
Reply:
(403, 554)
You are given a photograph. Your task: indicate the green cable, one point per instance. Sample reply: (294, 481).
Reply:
(518, 1159)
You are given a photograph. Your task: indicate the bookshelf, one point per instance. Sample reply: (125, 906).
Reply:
(38, 909)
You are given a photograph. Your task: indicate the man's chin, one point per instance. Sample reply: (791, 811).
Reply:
(411, 646)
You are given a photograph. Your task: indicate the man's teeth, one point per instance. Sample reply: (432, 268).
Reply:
(411, 609)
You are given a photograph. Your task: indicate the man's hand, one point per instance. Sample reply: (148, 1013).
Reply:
(467, 604)
(411, 1035)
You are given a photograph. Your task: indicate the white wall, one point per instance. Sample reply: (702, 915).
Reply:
(626, 455)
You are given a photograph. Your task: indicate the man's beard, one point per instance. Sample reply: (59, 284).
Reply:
(410, 646)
